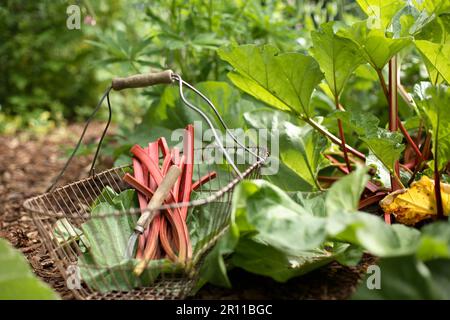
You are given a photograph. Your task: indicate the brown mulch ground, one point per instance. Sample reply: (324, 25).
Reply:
(27, 167)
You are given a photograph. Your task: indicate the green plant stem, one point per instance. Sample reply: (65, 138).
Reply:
(342, 136)
(343, 144)
(409, 139)
(425, 155)
(393, 116)
(397, 180)
(383, 84)
(322, 130)
(437, 180)
(404, 96)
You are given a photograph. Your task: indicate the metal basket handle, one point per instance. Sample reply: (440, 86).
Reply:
(150, 79)
(142, 80)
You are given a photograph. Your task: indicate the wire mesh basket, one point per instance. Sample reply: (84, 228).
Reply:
(89, 246)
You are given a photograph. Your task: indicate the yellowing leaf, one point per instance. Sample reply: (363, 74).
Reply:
(417, 203)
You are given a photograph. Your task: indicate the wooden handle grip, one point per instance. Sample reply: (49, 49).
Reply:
(159, 196)
(142, 80)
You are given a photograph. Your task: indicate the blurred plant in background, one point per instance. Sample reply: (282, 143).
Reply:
(48, 75)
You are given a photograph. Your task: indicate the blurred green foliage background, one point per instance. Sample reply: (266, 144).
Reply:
(51, 75)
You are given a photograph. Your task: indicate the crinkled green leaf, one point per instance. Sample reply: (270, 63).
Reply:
(214, 270)
(282, 223)
(436, 58)
(436, 7)
(433, 102)
(372, 233)
(338, 57)
(300, 147)
(313, 202)
(283, 81)
(386, 146)
(363, 123)
(65, 233)
(264, 259)
(17, 281)
(381, 174)
(405, 278)
(381, 12)
(436, 31)
(435, 241)
(351, 256)
(345, 223)
(344, 195)
(376, 48)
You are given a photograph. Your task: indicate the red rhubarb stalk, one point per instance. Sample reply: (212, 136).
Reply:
(162, 143)
(153, 237)
(139, 176)
(188, 149)
(179, 223)
(203, 180)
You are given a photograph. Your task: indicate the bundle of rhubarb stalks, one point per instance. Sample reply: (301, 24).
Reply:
(167, 235)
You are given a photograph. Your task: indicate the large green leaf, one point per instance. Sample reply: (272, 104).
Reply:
(372, 234)
(381, 12)
(104, 266)
(344, 195)
(272, 235)
(17, 281)
(346, 224)
(283, 223)
(262, 258)
(435, 241)
(436, 57)
(407, 278)
(386, 146)
(436, 7)
(423, 274)
(300, 147)
(436, 31)
(278, 237)
(376, 48)
(214, 270)
(338, 57)
(434, 102)
(363, 123)
(283, 81)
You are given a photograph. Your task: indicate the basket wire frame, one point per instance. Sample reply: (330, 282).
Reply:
(72, 203)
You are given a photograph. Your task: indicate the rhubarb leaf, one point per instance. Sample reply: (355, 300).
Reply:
(104, 267)
(283, 223)
(375, 47)
(386, 146)
(261, 258)
(365, 230)
(434, 242)
(433, 102)
(431, 7)
(436, 58)
(300, 147)
(338, 57)
(17, 281)
(404, 278)
(380, 12)
(344, 195)
(283, 81)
